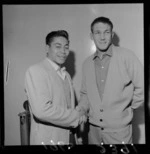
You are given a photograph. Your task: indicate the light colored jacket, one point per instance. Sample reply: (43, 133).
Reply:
(124, 90)
(48, 105)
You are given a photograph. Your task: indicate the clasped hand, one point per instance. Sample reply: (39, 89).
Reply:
(83, 117)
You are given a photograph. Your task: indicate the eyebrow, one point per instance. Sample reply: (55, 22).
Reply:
(57, 43)
(61, 44)
(100, 31)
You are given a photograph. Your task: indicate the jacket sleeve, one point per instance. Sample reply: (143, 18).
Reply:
(42, 103)
(136, 73)
(84, 102)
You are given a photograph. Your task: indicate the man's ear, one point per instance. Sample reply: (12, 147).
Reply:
(46, 48)
(91, 36)
(112, 35)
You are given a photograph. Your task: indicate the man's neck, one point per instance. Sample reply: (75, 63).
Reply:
(108, 51)
(102, 52)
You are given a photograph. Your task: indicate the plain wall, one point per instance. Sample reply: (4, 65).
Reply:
(24, 30)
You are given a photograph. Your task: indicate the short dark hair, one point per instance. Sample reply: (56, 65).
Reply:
(103, 20)
(58, 33)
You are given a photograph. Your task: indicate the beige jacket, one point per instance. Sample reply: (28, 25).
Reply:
(124, 90)
(48, 105)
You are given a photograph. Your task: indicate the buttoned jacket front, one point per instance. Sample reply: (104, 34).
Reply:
(123, 92)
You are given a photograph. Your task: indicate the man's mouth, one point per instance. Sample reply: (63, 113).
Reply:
(62, 57)
(102, 42)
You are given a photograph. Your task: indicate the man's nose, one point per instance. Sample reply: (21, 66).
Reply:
(102, 36)
(63, 50)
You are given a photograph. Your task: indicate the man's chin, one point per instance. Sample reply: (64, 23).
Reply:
(61, 62)
(104, 49)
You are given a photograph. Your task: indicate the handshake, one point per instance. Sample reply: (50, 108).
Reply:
(82, 118)
(80, 122)
(82, 115)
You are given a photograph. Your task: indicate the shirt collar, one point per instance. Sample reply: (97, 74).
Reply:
(108, 52)
(54, 65)
(58, 69)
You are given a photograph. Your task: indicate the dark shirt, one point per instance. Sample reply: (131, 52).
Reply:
(101, 61)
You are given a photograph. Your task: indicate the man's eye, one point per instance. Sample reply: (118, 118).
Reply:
(58, 47)
(66, 48)
(96, 32)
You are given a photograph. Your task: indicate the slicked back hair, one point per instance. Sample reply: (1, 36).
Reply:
(53, 34)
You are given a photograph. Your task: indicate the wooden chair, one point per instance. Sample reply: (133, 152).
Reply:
(25, 124)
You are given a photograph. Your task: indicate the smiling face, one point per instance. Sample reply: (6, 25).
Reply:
(58, 50)
(102, 36)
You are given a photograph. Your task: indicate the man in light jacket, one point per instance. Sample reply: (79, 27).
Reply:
(50, 94)
(112, 87)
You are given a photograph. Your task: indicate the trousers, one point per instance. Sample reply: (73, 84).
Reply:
(98, 136)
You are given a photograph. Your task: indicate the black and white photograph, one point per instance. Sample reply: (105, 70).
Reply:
(73, 74)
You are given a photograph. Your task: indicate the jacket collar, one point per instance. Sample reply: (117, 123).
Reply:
(100, 54)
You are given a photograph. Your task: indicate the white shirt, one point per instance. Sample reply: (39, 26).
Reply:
(60, 71)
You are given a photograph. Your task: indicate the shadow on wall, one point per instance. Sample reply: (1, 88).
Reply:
(115, 39)
(138, 119)
(70, 64)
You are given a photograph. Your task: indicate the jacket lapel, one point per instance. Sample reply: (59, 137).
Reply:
(72, 91)
(92, 80)
(58, 78)
(112, 70)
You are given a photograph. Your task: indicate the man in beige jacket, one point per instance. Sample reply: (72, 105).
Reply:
(112, 87)
(50, 94)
